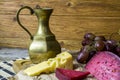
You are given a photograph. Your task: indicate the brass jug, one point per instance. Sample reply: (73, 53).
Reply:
(43, 44)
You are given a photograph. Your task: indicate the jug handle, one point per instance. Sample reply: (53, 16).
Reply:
(18, 20)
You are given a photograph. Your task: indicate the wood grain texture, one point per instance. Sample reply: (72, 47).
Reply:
(70, 20)
(66, 7)
(65, 27)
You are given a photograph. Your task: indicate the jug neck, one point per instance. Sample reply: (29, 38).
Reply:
(43, 15)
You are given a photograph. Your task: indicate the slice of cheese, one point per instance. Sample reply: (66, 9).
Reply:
(37, 69)
(62, 60)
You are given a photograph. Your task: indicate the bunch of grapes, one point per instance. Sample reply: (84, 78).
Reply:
(91, 44)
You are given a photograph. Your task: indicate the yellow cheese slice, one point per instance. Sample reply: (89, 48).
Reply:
(62, 60)
(37, 69)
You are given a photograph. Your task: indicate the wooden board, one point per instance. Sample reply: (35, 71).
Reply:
(66, 7)
(70, 20)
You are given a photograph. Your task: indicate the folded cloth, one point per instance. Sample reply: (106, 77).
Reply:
(6, 69)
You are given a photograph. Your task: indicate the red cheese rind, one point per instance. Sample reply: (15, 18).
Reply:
(64, 74)
(104, 66)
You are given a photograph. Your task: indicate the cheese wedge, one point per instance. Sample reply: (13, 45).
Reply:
(62, 60)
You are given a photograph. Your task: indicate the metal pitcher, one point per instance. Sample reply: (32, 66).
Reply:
(43, 44)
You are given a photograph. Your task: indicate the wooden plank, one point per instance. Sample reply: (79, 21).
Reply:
(70, 20)
(69, 30)
(61, 26)
(66, 7)
(24, 43)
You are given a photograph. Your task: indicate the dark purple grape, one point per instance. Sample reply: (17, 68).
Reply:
(83, 55)
(112, 42)
(118, 50)
(98, 38)
(89, 36)
(86, 42)
(86, 53)
(91, 54)
(100, 45)
(86, 48)
(110, 47)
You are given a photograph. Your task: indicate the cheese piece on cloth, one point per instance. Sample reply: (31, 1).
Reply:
(62, 60)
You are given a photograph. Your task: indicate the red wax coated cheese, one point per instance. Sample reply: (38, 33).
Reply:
(104, 66)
